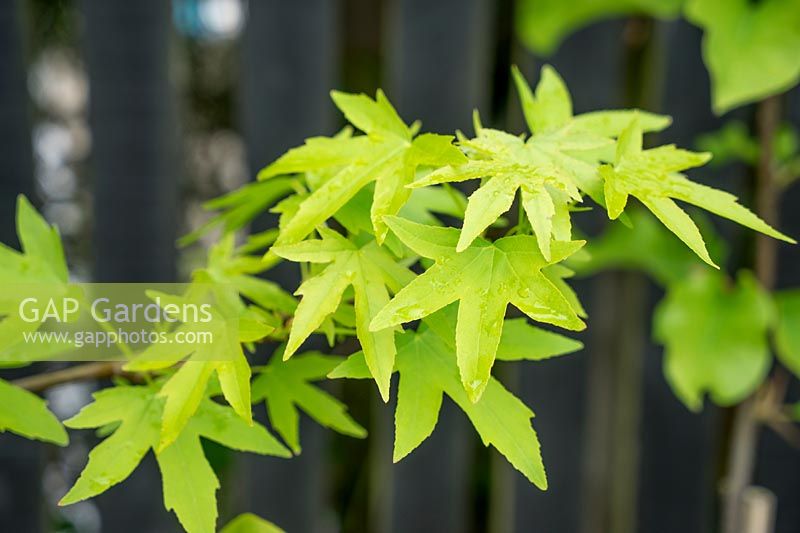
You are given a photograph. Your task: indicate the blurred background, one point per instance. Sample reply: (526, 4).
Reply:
(120, 118)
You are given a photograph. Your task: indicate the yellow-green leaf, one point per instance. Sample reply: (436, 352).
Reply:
(484, 278)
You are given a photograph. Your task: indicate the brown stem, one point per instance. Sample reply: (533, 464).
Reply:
(84, 372)
(767, 190)
(746, 422)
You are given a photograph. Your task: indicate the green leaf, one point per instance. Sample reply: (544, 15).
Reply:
(484, 278)
(138, 412)
(646, 246)
(227, 265)
(547, 192)
(715, 337)
(653, 176)
(370, 272)
(787, 329)
(41, 242)
(376, 117)
(543, 24)
(42, 257)
(40, 264)
(550, 108)
(250, 523)
(388, 155)
(224, 357)
(732, 142)
(26, 414)
(286, 387)
(522, 341)
(318, 153)
(238, 208)
(426, 362)
(189, 483)
(750, 48)
(550, 169)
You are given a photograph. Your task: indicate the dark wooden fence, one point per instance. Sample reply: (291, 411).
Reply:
(622, 453)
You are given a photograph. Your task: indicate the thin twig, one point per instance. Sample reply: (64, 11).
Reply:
(83, 372)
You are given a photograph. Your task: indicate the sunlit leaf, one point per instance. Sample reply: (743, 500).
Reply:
(189, 483)
(653, 176)
(388, 155)
(370, 272)
(484, 278)
(426, 361)
(26, 414)
(551, 169)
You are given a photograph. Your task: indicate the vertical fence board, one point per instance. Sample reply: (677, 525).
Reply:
(438, 71)
(135, 187)
(678, 461)
(589, 62)
(438, 60)
(16, 162)
(133, 160)
(289, 58)
(20, 459)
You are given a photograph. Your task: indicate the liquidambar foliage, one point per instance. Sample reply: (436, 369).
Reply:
(363, 213)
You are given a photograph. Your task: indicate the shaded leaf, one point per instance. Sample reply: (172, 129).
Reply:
(543, 24)
(286, 387)
(787, 329)
(250, 523)
(715, 337)
(750, 48)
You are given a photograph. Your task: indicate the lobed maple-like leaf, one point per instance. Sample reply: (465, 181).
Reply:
(547, 191)
(40, 265)
(388, 155)
(286, 388)
(230, 266)
(371, 273)
(26, 414)
(238, 208)
(185, 389)
(550, 169)
(653, 177)
(189, 482)
(484, 278)
(426, 361)
(646, 246)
